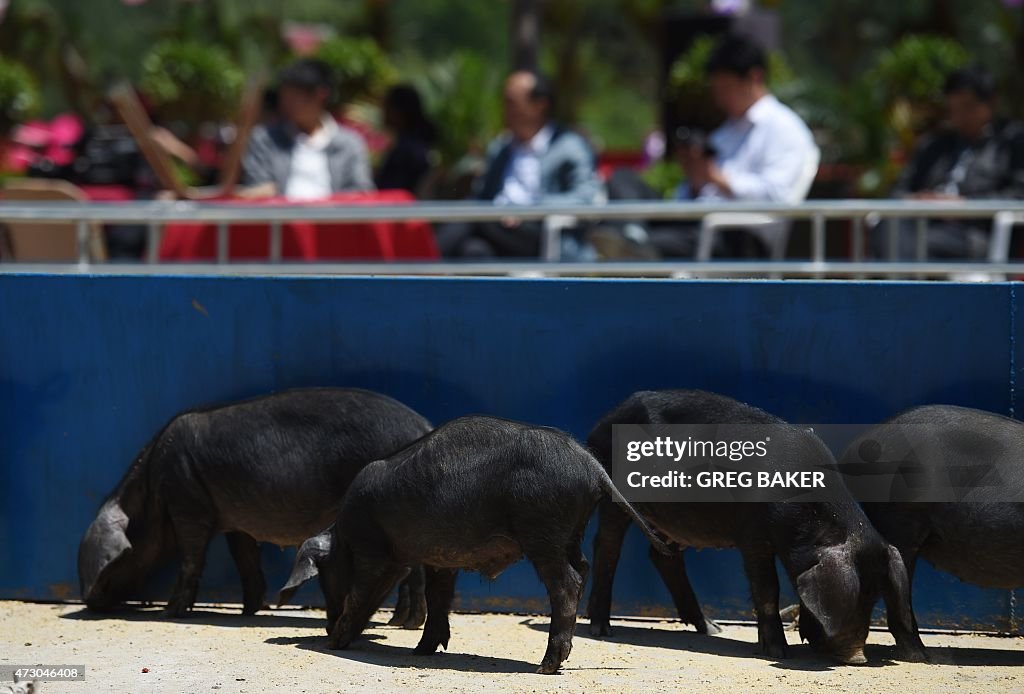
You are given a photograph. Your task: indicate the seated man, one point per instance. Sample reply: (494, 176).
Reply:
(535, 162)
(978, 157)
(306, 154)
(762, 153)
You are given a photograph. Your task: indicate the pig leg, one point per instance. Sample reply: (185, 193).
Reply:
(581, 565)
(372, 580)
(611, 530)
(899, 612)
(440, 591)
(401, 612)
(907, 531)
(193, 538)
(673, 574)
(246, 553)
(759, 566)
(565, 586)
(411, 608)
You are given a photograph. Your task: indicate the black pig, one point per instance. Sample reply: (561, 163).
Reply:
(270, 469)
(979, 539)
(478, 493)
(835, 560)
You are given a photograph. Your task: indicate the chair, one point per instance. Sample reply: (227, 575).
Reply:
(49, 242)
(999, 244)
(774, 232)
(134, 115)
(553, 243)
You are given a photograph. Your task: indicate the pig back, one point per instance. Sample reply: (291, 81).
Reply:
(277, 467)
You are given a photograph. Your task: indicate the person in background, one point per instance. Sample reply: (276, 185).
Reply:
(407, 163)
(536, 161)
(763, 152)
(978, 156)
(306, 154)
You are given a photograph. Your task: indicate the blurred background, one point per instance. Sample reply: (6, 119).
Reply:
(867, 76)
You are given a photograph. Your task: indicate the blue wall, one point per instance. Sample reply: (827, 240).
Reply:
(91, 367)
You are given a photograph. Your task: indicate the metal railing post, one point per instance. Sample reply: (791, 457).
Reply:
(858, 243)
(222, 242)
(82, 239)
(154, 235)
(892, 230)
(921, 239)
(275, 241)
(818, 239)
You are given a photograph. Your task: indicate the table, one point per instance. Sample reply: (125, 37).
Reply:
(107, 193)
(407, 240)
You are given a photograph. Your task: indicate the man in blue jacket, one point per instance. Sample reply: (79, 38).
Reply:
(536, 161)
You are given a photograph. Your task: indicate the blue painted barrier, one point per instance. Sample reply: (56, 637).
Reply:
(92, 366)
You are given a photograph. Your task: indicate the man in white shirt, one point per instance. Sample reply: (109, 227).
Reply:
(308, 155)
(763, 152)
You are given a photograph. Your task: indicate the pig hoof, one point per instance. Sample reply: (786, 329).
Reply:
(250, 610)
(425, 648)
(912, 655)
(173, 611)
(710, 628)
(429, 643)
(854, 659)
(414, 621)
(598, 628)
(547, 668)
(775, 651)
(397, 619)
(337, 644)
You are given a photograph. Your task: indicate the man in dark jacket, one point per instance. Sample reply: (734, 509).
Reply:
(979, 157)
(535, 162)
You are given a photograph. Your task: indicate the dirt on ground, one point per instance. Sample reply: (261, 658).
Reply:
(217, 649)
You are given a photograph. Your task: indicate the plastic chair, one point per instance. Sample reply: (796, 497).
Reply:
(49, 242)
(773, 231)
(999, 243)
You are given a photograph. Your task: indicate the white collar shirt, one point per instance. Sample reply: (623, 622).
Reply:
(310, 174)
(522, 183)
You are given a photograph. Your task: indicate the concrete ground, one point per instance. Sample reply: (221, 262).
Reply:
(217, 649)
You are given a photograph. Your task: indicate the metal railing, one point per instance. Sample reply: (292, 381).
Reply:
(156, 214)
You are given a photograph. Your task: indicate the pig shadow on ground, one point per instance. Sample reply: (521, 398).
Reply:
(801, 655)
(370, 649)
(232, 618)
(955, 656)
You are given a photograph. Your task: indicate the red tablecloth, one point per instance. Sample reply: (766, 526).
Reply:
(308, 241)
(108, 193)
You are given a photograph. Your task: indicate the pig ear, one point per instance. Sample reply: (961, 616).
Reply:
(307, 563)
(105, 541)
(829, 588)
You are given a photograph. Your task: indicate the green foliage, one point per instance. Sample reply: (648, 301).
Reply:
(191, 81)
(361, 69)
(686, 76)
(462, 93)
(688, 83)
(916, 68)
(664, 176)
(19, 96)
